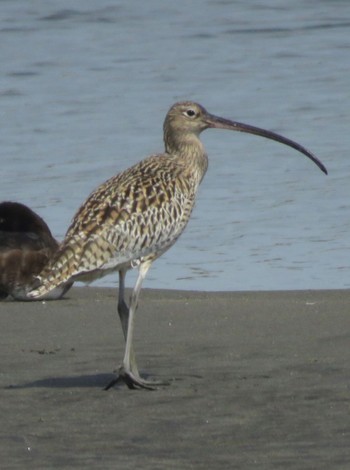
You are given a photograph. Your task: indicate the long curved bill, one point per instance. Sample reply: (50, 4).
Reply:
(221, 123)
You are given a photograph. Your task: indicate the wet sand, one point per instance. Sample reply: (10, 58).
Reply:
(258, 380)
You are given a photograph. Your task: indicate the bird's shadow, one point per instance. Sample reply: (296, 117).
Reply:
(79, 381)
(88, 381)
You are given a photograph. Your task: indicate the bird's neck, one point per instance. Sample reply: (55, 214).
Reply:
(190, 151)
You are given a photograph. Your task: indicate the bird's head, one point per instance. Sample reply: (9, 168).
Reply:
(188, 118)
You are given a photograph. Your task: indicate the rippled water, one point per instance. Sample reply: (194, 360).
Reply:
(84, 89)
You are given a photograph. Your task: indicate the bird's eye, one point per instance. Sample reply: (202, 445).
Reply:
(190, 113)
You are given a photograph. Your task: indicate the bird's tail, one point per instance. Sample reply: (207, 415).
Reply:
(58, 272)
(78, 257)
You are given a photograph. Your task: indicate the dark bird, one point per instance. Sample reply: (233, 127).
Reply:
(26, 245)
(134, 217)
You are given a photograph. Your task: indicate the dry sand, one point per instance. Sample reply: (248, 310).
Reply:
(258, 380)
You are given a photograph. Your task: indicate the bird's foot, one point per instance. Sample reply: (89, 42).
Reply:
(134, 381)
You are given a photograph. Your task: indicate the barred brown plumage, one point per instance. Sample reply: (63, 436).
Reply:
(137, 215)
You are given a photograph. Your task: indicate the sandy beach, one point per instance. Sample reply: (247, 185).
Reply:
(258, 380)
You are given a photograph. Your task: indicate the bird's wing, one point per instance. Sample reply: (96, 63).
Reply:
(139, 212)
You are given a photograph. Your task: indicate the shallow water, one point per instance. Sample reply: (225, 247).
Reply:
(84, 89)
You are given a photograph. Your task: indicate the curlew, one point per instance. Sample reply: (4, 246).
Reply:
(134, 217)
(26, 245)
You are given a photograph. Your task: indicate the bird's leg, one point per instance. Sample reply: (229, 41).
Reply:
(126, 372)
(123, 311)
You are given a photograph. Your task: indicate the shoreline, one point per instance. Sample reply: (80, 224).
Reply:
(257, 378)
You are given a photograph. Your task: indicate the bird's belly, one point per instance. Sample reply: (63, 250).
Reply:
(129, 259)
